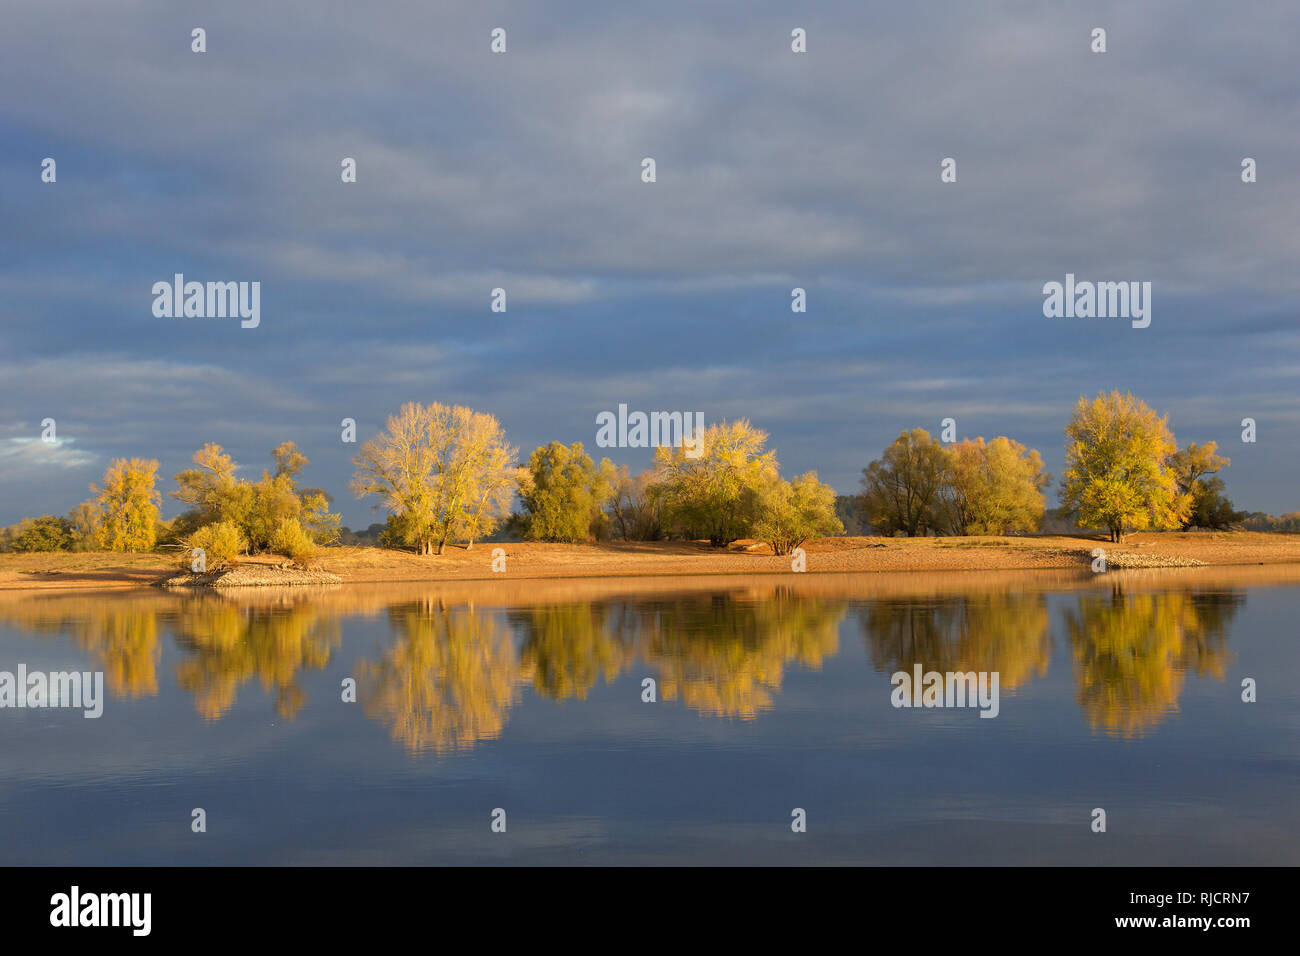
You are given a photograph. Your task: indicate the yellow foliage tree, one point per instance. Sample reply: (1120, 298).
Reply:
(1118, 473)
(791, 512)
(710, 487)
(442, 470)
(128, 505)
(995, 487)
(257, 509)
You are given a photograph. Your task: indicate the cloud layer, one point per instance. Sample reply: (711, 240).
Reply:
(522, 171)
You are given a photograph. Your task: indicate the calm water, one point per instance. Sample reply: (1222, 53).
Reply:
(773, 694)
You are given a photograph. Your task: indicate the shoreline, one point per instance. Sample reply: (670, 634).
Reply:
(108, 571)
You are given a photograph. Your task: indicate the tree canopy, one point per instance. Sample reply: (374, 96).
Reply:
(443, 471)
(791, 512)
(901, 490)
(1118, 474)
(711, 488)
(563, 493)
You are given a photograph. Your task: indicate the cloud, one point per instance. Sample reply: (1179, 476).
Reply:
(21, 454)
(522, 171)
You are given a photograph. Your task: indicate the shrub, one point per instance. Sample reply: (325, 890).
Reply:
(293, 542)
(395, 533)
(220, 543)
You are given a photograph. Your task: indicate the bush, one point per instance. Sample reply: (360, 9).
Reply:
(220, 543)
(395, 533)
(46, 533)
(293, 542)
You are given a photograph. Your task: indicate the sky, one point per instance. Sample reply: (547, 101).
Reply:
(523, 170)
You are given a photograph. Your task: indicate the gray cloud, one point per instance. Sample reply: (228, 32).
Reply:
(522, 171)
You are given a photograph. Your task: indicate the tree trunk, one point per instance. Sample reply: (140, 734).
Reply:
(470, 546)
(442, 543)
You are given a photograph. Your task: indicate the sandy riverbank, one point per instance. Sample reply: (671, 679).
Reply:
(830, 555)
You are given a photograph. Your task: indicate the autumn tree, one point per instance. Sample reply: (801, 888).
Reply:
(791, 512)
(901, 490)
(494, 482)
(1194, 469)
(710, 487)
(564, 492)
(994, 487)
(1118, 473)
(259, 508)
(277, 499)
(442, 470)
(211, 489)
(128, 505)
(219, 541)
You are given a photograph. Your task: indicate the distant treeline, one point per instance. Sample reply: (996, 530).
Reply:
(1288, 523)
(445, 474)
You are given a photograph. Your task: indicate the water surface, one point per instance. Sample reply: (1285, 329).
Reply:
(773, 693)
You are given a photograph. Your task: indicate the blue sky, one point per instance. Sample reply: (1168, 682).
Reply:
(522, 170)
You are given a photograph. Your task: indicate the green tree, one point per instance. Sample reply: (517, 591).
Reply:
(791, 512)
(1118, 473)
(46, 533)
(564, 493)
(1210, 507)
(901, 490)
